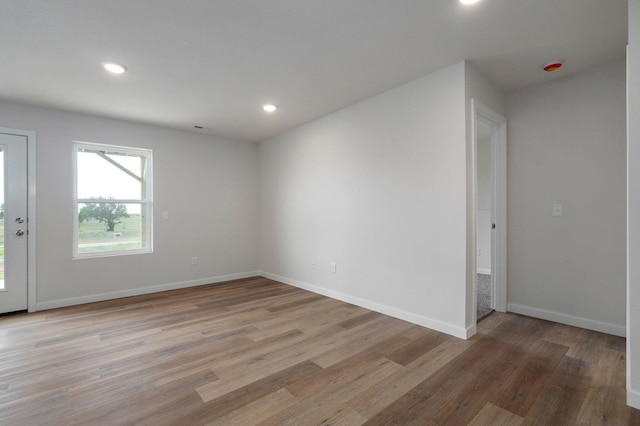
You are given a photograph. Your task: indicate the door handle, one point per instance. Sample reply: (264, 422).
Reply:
(19, 232)
(19, 220)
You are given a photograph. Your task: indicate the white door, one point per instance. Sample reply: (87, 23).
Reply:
(13, 223)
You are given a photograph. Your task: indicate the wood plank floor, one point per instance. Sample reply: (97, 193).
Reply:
(256, 351)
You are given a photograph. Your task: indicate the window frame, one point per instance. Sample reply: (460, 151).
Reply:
(146, 202)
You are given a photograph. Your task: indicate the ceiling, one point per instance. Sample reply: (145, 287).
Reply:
(214, 63)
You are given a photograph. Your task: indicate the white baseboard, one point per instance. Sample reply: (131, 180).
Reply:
(484, 271)
(633, 398)
(378, 307)
(59, 303)
(471, 330)
(603, 327)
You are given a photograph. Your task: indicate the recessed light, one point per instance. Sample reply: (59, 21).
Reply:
(269, 108)
(467, 2)
(115, 68)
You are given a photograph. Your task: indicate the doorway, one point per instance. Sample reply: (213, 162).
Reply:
(490, 210)
(15, 221)
(484, 216)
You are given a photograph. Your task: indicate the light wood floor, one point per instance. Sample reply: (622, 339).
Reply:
(256, 351)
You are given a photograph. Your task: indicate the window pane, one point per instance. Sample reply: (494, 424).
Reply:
(113, 200)
(103, 174)
(108, 226)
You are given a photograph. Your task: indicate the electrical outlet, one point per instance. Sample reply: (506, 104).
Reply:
(333, 267)
(313, 263)
(194, 260)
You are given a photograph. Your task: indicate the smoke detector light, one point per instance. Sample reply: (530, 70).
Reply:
(115, 68)
(269, 108)
(552, 66)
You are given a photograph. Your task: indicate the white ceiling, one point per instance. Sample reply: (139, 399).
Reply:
(214, 63)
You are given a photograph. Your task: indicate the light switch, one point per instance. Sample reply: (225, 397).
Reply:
(557, 210)
(165, 215)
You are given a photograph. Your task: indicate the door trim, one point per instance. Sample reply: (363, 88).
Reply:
(499, 203)
(31, 212)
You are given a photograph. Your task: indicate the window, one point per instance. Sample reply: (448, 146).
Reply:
(112, 200)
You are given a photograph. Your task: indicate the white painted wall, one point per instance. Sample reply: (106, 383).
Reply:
(479, 87)
(208, 185)
(379, 188)
(567, 145)
(633, 206)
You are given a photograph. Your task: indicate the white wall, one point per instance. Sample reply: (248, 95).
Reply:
(379, 188)
(567, 145)
(633, 212)
(208, 185)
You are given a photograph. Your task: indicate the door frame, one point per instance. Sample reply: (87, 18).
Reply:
(499, 203)
(31, 212)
